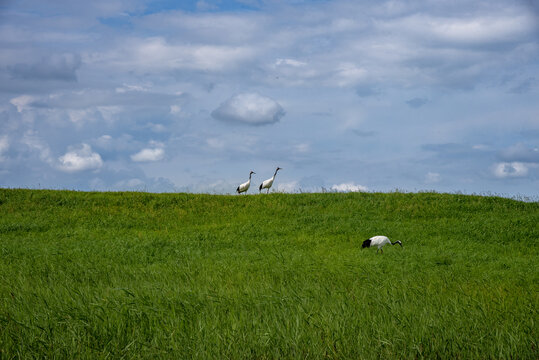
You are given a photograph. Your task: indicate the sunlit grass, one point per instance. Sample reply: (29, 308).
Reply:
(96, 275)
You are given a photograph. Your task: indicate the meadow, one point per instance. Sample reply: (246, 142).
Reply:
(190, 276)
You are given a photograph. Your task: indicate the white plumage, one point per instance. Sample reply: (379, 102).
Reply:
(379, 241)
(266, 184)
(245, 186)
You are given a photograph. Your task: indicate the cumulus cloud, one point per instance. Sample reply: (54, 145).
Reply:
(347, 187)
(249, 109)
(510, 170)
(149, 155)
(80, 159)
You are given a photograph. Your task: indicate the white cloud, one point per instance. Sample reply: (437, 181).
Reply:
(346, 187)
(349, 74)
(149, 154)
(22, 102)
(463, 30)
(480, 29)
(289, 62)
(104, 141)
(156, 53)
(250, 109)
(80, 159)
(510, 169)
(127, 88)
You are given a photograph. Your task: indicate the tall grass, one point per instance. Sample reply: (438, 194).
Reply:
(137, 275)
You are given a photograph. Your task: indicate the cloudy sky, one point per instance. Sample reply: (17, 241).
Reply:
(343, 95)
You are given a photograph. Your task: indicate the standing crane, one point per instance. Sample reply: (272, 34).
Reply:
(267, 183)
(379, 241)
(245, 186)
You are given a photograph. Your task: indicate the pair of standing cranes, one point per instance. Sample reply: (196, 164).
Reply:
(266, 184)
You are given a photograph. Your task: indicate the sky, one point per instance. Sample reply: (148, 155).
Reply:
(190, 96)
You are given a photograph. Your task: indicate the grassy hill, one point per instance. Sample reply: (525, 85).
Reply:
(138, 275)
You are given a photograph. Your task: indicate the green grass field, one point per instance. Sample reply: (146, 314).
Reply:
(181, 276)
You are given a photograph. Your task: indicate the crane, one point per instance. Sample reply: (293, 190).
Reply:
(245, 186)
(378, 241)
(266, 184)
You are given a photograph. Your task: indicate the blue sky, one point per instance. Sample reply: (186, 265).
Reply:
(343, 95)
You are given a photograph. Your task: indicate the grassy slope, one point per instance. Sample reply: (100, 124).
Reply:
(92, 275)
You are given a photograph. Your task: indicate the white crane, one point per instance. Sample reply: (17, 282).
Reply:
(267, 183)
(245, 186)
(379, 241)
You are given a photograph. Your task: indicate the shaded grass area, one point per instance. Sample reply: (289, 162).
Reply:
(137, 275)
